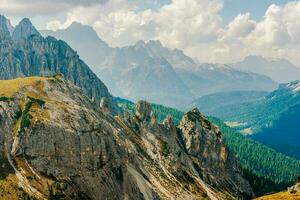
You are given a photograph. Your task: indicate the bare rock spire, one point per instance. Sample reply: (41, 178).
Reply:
(143, 111)
(105, 105)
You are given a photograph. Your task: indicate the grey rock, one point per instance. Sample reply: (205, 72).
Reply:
(105, 104)
(70, 141)
(205, 142)
(143, 110)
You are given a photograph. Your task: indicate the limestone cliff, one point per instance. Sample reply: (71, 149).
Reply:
(59, 144)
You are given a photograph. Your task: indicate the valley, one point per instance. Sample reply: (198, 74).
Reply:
(82, 119)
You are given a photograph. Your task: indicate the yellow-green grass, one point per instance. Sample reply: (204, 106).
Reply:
(281, 196)
(9, 87)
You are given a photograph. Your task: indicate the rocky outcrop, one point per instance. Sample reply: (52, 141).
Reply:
(69, 147)
(143, 111)
(296, 188)
(205, 143)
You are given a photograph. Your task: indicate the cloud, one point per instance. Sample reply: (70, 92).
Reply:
(181, 23)
(195, 26)
(277, 35)
(241, 26)
(42, 7)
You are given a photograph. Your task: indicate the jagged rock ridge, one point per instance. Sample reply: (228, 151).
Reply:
(70, 147)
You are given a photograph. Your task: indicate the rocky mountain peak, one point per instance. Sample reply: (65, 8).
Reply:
(143, 111)
(77, 29)
(141, 44)
(24, 30)
(155, 44)
(253, 58)
(105, 105)
(168, 122)
(4, 29)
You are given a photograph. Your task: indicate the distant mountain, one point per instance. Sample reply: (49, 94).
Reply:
(273, 120)
(203, 79)
(148, 70)
(24, 52)
(211, 104)
(281, 71)
(212, 78)
(84, 40)
(133, 72)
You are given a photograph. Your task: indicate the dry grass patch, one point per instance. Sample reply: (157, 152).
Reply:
(9, 87)
(10, 190)
(281, 196)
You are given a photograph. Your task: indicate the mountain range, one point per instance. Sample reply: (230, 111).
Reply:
(148, 70)
(213, 104)
(281, 70)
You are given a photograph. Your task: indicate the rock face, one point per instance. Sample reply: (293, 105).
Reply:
(4, 32)
(205, 142)
(27, 53)
(67, 147)
(143, 111)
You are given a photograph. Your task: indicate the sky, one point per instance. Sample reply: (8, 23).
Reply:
(218, 31)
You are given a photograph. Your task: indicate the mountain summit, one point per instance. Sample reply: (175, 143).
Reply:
(5, 28)
(281, 70)
(24, 30)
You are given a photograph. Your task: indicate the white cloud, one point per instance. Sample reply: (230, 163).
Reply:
(277, 35)
(181, 24)
(241, 26)
(42, 7)
(193, 25)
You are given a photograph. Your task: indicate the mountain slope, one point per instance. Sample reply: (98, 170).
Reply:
(207, 79)
(69, 148)
(204, 78)
(27, 53)
(212, 103)
(273, 120)
(281, 71)
(138, 75)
